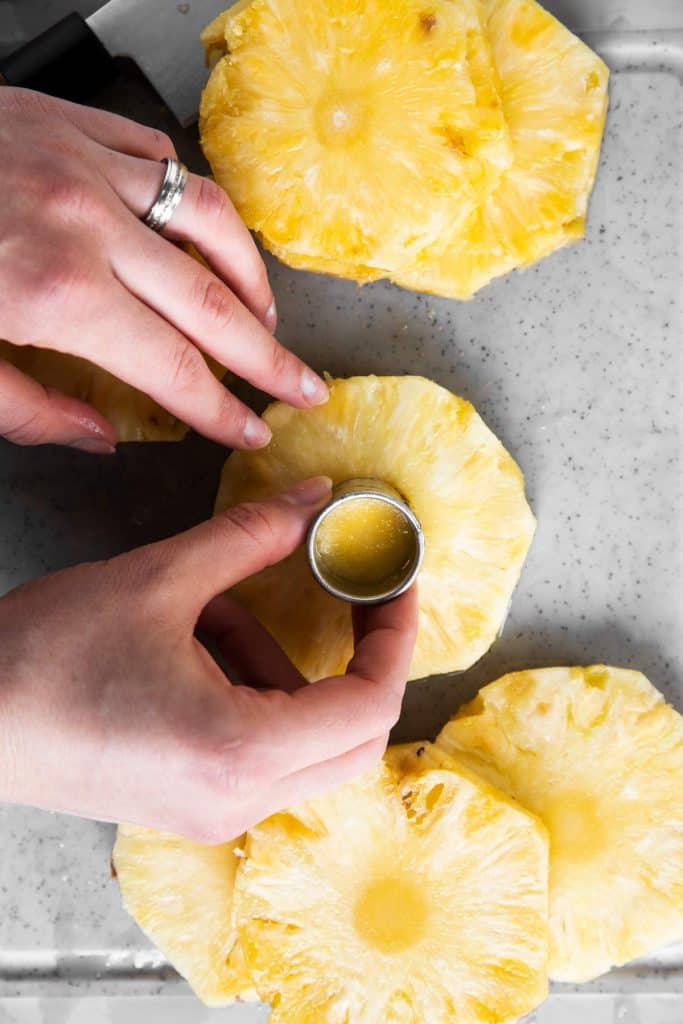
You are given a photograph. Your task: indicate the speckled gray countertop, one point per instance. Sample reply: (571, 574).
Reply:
(577, 365)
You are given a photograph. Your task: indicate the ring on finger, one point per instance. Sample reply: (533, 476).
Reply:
(170, 194)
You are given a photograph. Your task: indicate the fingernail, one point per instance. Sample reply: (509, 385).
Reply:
(270, 319)
(93, 445)
(309, 492)
(314, 389)
(257, 434)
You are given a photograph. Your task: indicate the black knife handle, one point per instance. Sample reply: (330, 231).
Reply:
(67, 60)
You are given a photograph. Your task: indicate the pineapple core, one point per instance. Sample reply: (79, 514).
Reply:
(391, 914)
(365, 540)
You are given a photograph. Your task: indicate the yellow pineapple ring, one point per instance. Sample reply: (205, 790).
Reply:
(597, 754)
(461, 484)
(553, 90)
(136, 416)
(342, 131)
(554, 93)
(180, 893)
(396, 899)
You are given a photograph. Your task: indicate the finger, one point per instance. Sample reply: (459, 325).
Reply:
(142, 349)
(114, 131)
(248, 647)
(311, 782)
(205, 217)
(303, 785)
(287, 732)
(202, 307)
(235, 544)
(386, 639)
(32, 414)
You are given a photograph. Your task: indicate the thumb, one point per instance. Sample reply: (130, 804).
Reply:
(33, 414)
(240, 541)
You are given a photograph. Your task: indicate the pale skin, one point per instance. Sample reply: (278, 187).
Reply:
(110, 706)
(80, 272)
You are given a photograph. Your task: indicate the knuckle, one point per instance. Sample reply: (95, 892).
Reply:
(252, 522)
(227, 773)
(223, 773)
(231, 416)
(186, 367)
(26, 101)
(23, 428)
(215, 301)
(383, 709)
(162, 144)
(148, 575)
(279, 361)
(212, 203)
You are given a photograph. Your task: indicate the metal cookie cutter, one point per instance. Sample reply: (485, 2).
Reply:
(374, 591)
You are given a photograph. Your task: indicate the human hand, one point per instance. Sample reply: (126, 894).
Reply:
(80, 272)
(111, 708)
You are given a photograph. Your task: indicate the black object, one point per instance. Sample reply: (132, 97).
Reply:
(67, 60)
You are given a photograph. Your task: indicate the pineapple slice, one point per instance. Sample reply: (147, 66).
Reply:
(352, 135)
(598, 755)
(180, 893)
(135, 416)
(554, 93)
(462, 485)
(317, 192)
(395, 900)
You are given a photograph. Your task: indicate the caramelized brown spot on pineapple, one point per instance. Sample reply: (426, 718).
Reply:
(427, 21)
(454, 139)
(112, 869)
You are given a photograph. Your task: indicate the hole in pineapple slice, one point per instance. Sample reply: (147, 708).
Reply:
(391, 914)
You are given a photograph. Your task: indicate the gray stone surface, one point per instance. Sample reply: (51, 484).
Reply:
(576, 364)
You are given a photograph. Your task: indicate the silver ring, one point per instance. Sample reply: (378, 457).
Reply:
(170, 194)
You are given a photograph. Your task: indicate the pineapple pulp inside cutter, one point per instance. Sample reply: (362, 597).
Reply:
(366, 545)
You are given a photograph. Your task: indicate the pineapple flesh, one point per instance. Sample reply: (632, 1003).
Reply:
(319, 113)
(439, 144)
(462, 485)
(396, 900)
(554, 95)
(180, 893)
(134, 415)
(597, 754)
